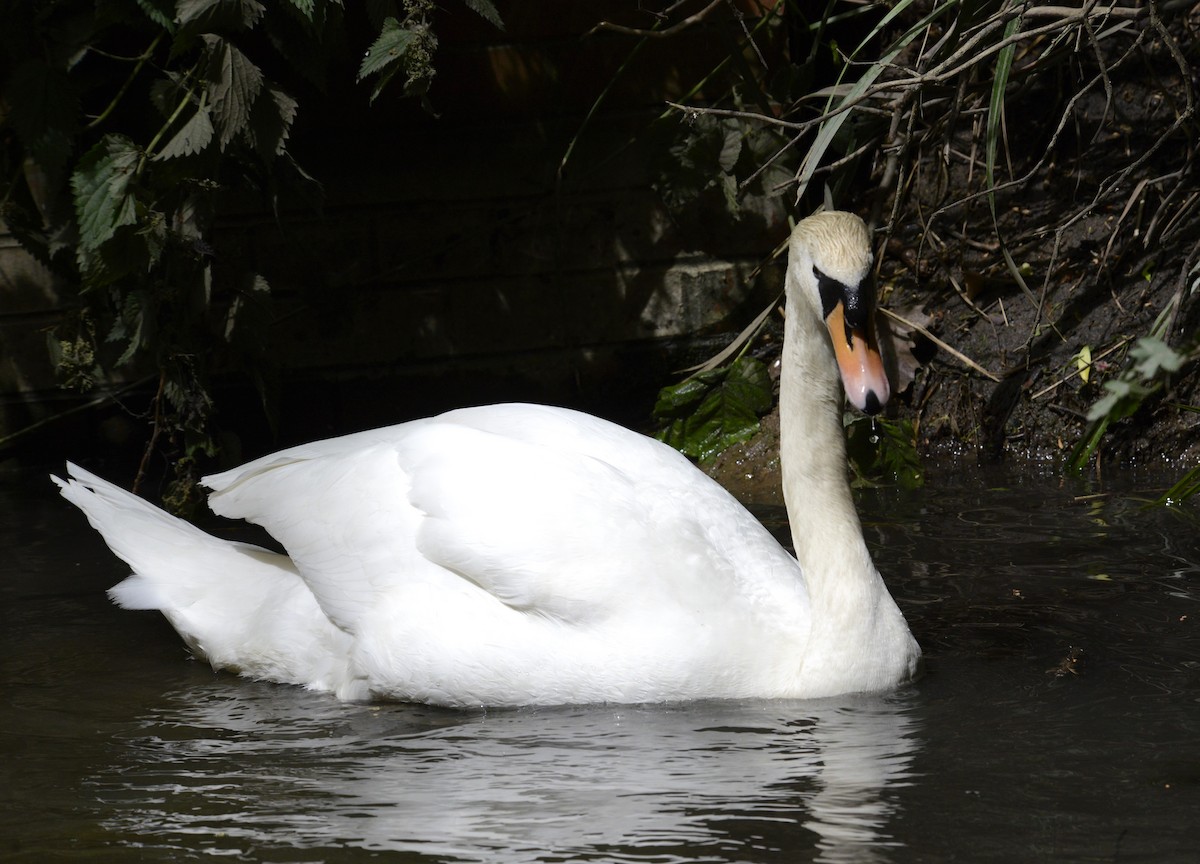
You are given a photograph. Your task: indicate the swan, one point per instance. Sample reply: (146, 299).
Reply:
(520, 554)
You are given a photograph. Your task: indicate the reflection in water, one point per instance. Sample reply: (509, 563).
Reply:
(113, 749)
(254, 766)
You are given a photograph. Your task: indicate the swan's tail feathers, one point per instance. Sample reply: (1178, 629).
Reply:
(161, 549)
(238, 606)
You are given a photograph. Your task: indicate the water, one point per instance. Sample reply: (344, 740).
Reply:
(1058, 719)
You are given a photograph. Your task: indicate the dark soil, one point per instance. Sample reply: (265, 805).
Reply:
(1104, 228)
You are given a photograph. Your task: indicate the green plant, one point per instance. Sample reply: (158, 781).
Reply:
(715, 409)
(127, 126)
(882, 451)
(1183, 488)
(1151, 363)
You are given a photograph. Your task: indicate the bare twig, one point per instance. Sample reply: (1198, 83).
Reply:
(961, 357)
(659, 34)
(1121, 343)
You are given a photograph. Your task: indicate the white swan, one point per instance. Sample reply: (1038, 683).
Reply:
(519, 554)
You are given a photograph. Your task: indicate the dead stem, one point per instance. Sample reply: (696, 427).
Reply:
(154, 433)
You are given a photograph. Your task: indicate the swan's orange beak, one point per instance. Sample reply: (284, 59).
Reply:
(858, 360)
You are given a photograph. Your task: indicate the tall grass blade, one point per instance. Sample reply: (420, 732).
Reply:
(995, 118)
(838, 115)
(1184, 488)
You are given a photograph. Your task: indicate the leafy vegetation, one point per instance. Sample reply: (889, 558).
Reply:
(713, 410)
(913, 117)
(883, 451)
(1151, 364)
(127, 127)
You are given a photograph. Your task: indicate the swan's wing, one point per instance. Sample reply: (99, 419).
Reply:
(546, 511)
(552, 531)
(342, 516)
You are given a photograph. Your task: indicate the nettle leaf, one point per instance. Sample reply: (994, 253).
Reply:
(731, 147)
(187, 11)
(161, 12)
(192, 138)
(101, 184)
(714, 410)
(270, 122)
(391, 45)
(233, 88)
(236, 14)
(132, 326)
(166, 93)
(305, 7)
(153, 234)
(486, 10)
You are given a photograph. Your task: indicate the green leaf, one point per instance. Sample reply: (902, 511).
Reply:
(879, 448)
(714, 410)
(270, 122)
(153, 234)
(1185, 487)
(305, 7)
(486, 10)
(161, 12)
(213, 14)
(1004, 62)
(391, 45)
(234, 85)
(682, 398)
(192, 138)
(132, 326)
(101, 184)
(187, 11)
(1154, 356)
(729, 186)
(731, 148)
(1082, 452)
(1122, 398)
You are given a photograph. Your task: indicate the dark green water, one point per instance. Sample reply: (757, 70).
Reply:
(1058, 720)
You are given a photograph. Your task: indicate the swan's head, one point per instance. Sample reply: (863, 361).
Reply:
(830, 262)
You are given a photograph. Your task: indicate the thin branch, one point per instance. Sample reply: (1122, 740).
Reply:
(961, 357)
(154, 433)
(1121, 343)
(141, 61)
(658, 34)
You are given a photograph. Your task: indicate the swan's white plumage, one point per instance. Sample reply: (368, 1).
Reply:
(518, 554)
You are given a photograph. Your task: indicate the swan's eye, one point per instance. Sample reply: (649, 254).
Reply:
(858, 301)
(832, 291)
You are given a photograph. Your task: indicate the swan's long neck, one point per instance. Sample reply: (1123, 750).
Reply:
(825, 527)
(853, 614)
